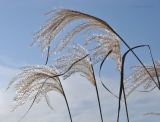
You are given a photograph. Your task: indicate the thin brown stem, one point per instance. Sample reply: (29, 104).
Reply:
(97, 93)
(122, 90)
(47, 58)
(66, 102)
(101, 65)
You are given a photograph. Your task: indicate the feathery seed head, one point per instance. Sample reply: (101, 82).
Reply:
(35, 81)
(140, 77)
(83, 67)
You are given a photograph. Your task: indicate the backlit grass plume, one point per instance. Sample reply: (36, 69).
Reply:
(30, 81)
(60, 18)
(106, 43)
(34, 82)
(141, 78)
(84, 67)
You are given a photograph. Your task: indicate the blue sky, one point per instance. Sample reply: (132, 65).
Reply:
(137, 21)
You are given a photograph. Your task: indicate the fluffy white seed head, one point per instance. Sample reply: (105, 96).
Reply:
(35, 82)
(140, 77)
(83, 67)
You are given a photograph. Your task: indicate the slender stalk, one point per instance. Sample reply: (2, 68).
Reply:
(154, 66)
(47, 56)
(122, 90)
(99, 103)
(70, 116)
(122, 79)
(101, 65)
(66, 102)
(125, 101)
